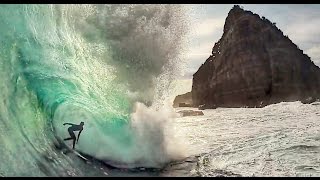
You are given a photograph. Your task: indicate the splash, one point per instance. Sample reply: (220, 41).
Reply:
(94, 63)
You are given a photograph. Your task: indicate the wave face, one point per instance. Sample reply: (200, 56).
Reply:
(94, 63)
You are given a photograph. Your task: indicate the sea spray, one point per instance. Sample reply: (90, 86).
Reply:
(66, 63)
(156, 143)
(145, 43)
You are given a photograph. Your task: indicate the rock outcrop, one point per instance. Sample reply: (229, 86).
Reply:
(183, 100)
(190, 113)
(253, 65)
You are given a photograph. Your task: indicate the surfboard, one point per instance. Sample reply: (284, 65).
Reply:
(69, 149)
(78, 154)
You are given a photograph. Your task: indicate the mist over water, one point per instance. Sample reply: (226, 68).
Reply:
(144, 41)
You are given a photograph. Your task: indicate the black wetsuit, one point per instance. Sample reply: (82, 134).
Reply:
(71, 129)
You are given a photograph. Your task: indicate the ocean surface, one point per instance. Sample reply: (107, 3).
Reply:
(113, 67)
(277, 140)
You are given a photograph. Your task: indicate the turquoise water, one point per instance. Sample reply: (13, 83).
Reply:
(73, 63)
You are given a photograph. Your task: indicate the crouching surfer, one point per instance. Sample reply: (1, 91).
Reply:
(71, 129)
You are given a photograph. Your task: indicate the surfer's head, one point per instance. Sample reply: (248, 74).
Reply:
(82, 123)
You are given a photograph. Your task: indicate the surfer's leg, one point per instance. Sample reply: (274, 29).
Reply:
(73, 136)
(74, 142)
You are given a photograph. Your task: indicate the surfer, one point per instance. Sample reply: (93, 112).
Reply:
(71, 129)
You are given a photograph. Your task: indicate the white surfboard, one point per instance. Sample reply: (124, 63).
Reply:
(78, 154)
(72, 150)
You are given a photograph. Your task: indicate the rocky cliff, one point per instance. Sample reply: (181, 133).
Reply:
(183, 100)
(254, 64)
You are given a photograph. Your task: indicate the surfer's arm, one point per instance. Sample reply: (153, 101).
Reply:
(68, 123)
(79, 136)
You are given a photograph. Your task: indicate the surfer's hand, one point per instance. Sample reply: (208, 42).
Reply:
(64, 124)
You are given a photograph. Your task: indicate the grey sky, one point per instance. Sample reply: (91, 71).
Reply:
(301, 22)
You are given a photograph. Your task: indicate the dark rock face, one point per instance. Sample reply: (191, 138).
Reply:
(183, 100)
(308, 100)
(253, 65)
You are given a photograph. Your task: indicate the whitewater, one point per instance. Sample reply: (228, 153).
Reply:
(110, 66)
(114, 68)
(277, 140)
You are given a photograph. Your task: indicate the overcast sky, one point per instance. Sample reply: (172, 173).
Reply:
(301, 22)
